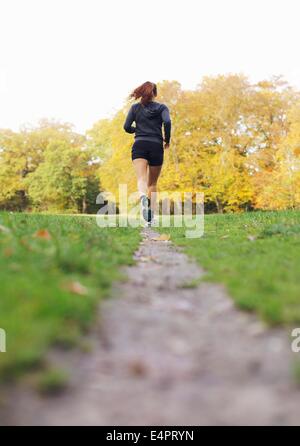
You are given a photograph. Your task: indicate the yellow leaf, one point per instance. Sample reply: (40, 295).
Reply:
(4, 229)
(297, 151)
(145, 258)
(76, 288)
(162, 238)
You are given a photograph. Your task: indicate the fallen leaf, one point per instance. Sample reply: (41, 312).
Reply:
(4, 229)
(162, 238)
(43, 234)
(146, 258)
(25, 243)
(137, 368)
(15, 267)
(8, 252)
(76, 288)
(252, 238)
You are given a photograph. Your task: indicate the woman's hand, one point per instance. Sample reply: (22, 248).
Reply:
(167, 145)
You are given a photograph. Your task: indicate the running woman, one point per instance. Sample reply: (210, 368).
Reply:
(148, 149)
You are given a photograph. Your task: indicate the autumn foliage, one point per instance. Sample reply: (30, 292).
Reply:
(236, 141)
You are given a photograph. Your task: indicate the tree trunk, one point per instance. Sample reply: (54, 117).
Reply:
(23, 200)
(219, 206)
(84, 205)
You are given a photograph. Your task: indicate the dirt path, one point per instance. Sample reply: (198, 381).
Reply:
(167, 355)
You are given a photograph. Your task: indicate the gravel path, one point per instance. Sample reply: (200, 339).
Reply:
(165, 354)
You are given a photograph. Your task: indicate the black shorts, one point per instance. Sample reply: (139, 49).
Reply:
(151, 151)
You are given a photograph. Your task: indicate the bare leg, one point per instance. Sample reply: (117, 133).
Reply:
(153, 175)
(141, 166)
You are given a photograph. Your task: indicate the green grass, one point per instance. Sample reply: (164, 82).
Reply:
(257, 256)
(52, 382)
(53, 271)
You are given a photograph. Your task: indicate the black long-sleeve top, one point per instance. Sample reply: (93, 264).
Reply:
(149, 120)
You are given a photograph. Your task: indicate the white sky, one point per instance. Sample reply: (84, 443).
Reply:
(77, 60)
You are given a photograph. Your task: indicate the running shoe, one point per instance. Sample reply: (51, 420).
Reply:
(146, 209)
(148, 224)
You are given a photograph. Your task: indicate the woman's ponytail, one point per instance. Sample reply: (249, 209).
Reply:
(145, 91)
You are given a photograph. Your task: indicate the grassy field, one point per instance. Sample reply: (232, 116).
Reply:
(53, 271)
(257, 256)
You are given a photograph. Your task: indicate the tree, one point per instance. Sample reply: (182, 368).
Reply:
(21, 153)
(279, 187)
(232, 140)
(65, 179)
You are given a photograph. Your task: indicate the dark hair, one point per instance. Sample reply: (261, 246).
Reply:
(146, 91)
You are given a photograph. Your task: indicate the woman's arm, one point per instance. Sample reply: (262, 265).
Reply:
(129, 120)
(167, 124)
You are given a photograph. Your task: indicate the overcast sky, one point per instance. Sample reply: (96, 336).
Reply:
(77, 60)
